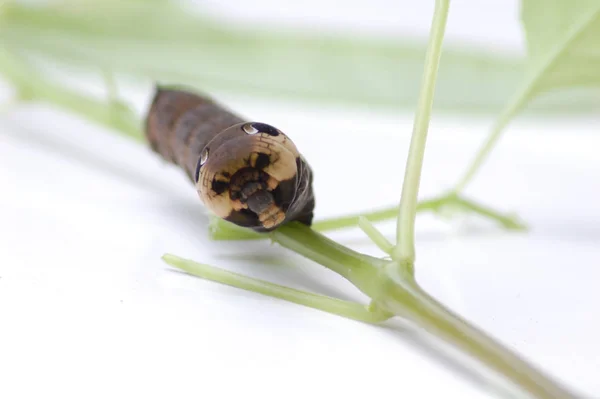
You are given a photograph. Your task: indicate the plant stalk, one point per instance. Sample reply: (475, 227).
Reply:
(404, 252)
(358, 268)
(413, 303)
(33, 86)
(348, 309)
(375, 235)
(505, 117)
(398, 293)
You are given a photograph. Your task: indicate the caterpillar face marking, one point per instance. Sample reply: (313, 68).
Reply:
(240, 180)
(249, 173)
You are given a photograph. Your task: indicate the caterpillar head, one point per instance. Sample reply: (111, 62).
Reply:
(252, 174)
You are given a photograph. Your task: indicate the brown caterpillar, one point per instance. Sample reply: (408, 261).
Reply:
(248, 173)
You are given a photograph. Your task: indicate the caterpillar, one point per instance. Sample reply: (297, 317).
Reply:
(246, 172)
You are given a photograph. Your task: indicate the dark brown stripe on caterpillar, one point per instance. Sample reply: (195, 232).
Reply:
(249, 173)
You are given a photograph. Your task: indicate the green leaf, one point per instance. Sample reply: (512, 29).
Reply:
(563, 39)
(164, 42)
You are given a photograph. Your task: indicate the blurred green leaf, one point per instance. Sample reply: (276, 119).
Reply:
(563, 39)
(31, 85)
(166, 42)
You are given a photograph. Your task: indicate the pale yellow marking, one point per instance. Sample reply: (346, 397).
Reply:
(284, 168)
(253, 159)
(272, 183)
(281, 151)
(220, 205)
(238, 205)
(272, 216)
(274, 221)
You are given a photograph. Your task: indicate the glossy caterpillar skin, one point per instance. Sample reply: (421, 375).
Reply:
(248, 173)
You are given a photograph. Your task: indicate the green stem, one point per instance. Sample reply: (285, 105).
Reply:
(404, 252)
(393, 294)
(429, 205)
(357, 268)
(375, 235)
(351, 220)
(405, 297)
(337, 223)
(505, 117)
(507, 221)
(221, 230)
(32, 86)
(394, 291)
(351, 310)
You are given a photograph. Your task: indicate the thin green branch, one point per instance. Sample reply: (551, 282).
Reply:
(507, 221)
(337, 223)
(404, 252)
(505, 117)
(358, 268)
(375, 235)
(32, 86)
(222, 230)
(348, 309)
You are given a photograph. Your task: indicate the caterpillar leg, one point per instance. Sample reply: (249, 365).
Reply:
(348, 309)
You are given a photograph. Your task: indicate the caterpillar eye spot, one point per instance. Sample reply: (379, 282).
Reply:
(264, 128)
(204, 157)
(249, 128)
(201, 161)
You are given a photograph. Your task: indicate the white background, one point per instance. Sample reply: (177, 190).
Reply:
(88, 309)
